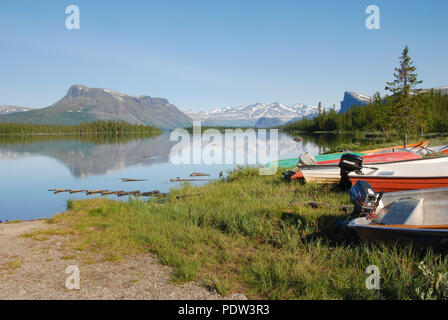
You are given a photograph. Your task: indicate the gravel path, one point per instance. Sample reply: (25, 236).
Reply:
(32, 269)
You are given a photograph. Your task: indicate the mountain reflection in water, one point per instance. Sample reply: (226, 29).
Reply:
(29, 167)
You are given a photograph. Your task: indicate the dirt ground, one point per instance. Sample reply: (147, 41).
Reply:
(36, 269)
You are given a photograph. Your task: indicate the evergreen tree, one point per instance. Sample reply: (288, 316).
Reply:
(405, 101)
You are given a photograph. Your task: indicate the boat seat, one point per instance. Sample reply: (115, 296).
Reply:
(406, 211)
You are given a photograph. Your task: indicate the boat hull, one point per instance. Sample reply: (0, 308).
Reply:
(291, 163)
(419, 237)
(321, 179)
(382, 157)
(392, 184)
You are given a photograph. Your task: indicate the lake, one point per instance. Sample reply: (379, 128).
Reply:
(30, 166)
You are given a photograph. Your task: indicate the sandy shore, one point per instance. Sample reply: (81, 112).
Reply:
(36, 269)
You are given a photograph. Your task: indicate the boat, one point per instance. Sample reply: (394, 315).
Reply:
(426, 173)
(291, 163)
(437, 149)
(382, 157)
(412, 146)
(330, 173)
(318, 174)
(333, 158)
(417, 216)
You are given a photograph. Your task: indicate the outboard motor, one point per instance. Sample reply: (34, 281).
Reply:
(288, 174)
(349, 162)
(365, 199)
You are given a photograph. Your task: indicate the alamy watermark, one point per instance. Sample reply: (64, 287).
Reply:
(234, 146)
(72, 22)
(373, 20)
(373, 280)
(73, 280)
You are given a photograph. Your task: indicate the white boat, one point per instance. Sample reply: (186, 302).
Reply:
(426, 173)
(320, 174)
(429, 169)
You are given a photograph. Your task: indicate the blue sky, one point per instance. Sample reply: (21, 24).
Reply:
(206, 54)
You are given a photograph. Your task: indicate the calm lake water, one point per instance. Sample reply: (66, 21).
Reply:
(28, 168)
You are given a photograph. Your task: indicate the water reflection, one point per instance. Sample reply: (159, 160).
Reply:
(86, 158)
(30, 166)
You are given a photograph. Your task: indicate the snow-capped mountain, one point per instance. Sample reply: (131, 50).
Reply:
(248, 115)
(12, 109)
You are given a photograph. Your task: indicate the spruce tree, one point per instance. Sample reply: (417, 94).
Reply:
(405, 101)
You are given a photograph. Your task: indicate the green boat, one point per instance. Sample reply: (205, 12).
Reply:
(291, 163)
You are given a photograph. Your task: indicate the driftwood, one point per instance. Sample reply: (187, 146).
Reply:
(132, 180)
(110, 192)
(149, 193)
(198, 174)
(89, 192)
(119, 193)
(76, 191)
(59, 190)
(128, 193)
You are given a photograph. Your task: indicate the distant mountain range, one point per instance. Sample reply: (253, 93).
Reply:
(250, 115)
(12, 109)
(83, 104)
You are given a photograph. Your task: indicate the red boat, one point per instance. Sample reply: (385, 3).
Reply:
(392, 184)
(381, 157)
(425, 173)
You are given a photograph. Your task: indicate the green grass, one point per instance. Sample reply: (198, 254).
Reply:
(241, 235)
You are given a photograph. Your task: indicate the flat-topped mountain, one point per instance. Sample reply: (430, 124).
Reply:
(83, 104)
(351, 99)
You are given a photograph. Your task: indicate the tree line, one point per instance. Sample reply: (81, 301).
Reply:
(111, 127)
(378, 116)
(406, 110)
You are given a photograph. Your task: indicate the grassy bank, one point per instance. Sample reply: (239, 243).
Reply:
(254, 234)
